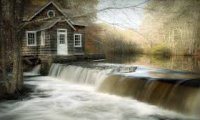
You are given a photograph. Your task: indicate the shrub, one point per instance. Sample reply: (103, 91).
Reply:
(118, 46)
(161, 50)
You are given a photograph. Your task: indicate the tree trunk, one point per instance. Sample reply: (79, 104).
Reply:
(2, 45)
(18, 8)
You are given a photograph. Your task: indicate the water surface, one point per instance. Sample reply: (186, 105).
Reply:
(105, 90)
(181, 63)
(55, 99)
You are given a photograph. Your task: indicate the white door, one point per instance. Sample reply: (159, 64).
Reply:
(62, 47)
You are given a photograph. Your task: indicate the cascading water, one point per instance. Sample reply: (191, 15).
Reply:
(34, 71)
(69, 93)
(77, 74)
(159, 87)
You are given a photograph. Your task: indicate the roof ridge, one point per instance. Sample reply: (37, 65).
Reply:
(46, 5)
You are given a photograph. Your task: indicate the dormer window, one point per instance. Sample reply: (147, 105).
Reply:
(51, 13)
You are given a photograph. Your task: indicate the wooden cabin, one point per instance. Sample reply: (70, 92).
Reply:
(50, 32)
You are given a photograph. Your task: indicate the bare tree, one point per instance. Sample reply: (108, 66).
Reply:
(173, 23)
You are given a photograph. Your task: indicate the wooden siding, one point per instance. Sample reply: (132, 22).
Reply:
(81, 30)
(28, 50)
(43, 13)
(50, 47)
(53, 32)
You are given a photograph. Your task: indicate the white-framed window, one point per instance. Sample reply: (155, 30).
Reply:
(31, 38)
(62, 36)
(42, 38)
(51, 13)
(62, 39)
(77, 40)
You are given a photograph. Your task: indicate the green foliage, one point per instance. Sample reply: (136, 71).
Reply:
(161, 50)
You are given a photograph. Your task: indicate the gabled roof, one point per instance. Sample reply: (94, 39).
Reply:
(41, 9)
(45, 24)
(58, 8)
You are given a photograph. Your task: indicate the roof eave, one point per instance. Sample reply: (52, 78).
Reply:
(80, 25)
(51, 2)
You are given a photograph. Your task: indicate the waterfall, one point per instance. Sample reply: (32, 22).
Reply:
(34, 72)
(164, 88)
(179, 95)
(78, 74)
(36, 69)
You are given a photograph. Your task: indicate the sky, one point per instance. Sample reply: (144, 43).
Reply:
(128, 18)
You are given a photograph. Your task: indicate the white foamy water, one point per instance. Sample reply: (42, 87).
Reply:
(35, 71)
(69, 93)
(55, 99)
(78, 74)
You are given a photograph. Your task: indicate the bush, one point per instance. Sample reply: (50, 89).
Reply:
(119, 46)
(161, 50)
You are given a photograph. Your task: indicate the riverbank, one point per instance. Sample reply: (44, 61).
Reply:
(7, 90)
(180, 63)
(17, 95)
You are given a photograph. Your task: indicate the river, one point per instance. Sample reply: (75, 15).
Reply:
(183, 63)
(107, 90)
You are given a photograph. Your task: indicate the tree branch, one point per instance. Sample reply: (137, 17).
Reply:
(111, 8)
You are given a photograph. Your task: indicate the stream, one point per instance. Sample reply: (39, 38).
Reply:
(106, 91)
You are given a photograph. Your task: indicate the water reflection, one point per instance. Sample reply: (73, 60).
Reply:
(174, 63)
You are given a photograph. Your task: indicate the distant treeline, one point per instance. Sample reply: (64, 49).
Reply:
(170, 27)
(173, 24)
(104, 38)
